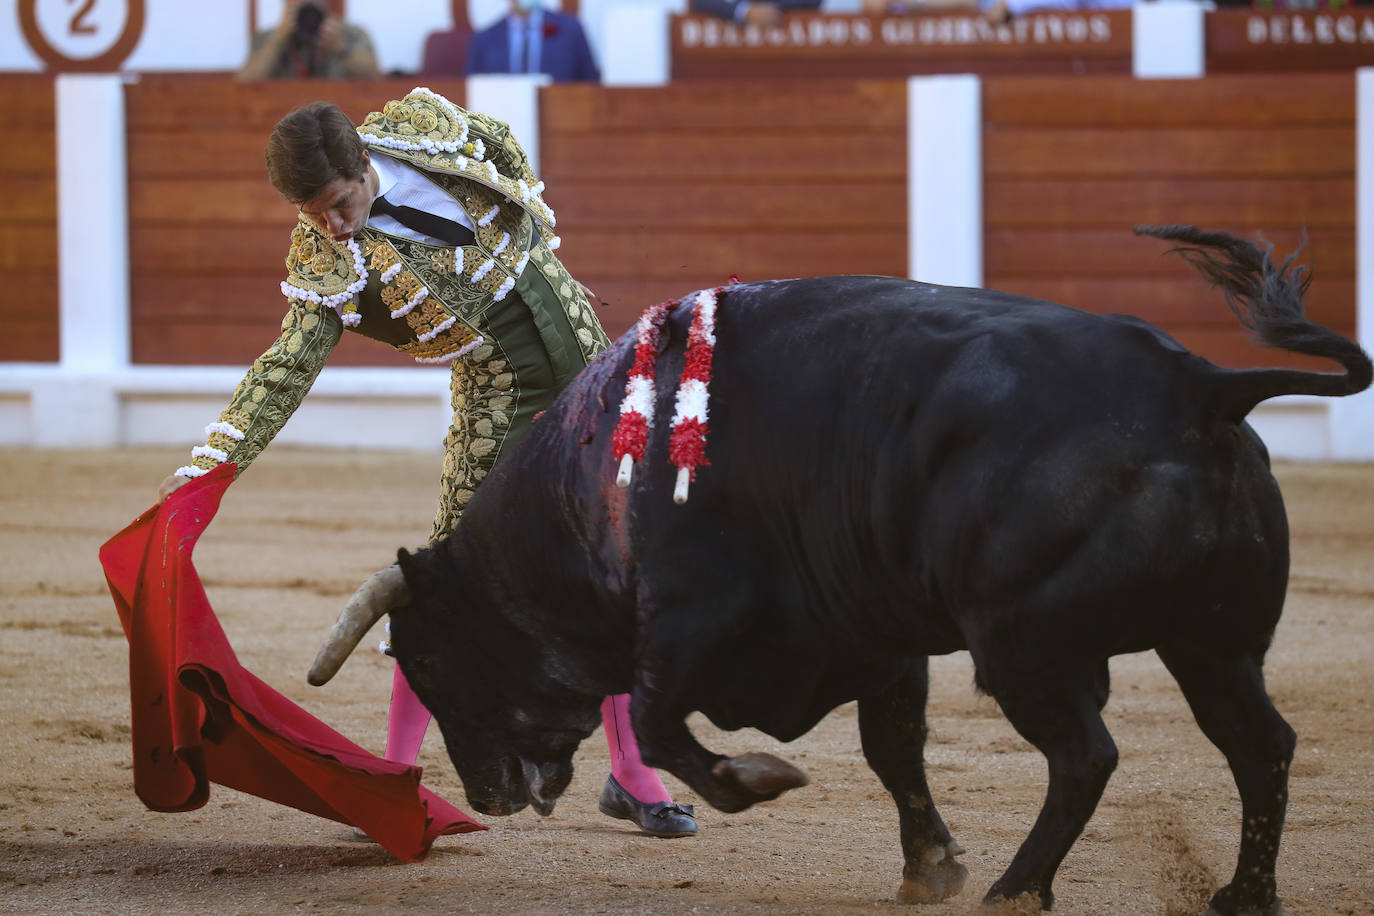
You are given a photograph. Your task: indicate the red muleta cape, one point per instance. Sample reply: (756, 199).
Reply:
(201, 717)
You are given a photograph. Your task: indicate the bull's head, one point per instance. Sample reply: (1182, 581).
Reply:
(510, 727)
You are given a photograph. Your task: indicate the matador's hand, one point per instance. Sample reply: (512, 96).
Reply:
(170, 486)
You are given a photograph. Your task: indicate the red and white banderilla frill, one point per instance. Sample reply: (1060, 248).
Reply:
(687, 446)
(631, 435)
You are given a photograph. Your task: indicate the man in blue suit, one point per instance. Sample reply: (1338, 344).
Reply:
(534, 40)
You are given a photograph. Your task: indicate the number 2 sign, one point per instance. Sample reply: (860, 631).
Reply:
(82, 34)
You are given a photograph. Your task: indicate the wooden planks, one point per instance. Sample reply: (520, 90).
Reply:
(662, 191)
(207, 232)
(28, 227)
(1070, 166)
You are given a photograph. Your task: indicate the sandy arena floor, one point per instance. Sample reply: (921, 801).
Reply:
(299, 531)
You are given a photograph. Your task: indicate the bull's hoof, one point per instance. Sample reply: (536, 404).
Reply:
(937, 878)
(761, 775)
(1028, 904)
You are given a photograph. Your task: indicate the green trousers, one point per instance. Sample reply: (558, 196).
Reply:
(530, 354)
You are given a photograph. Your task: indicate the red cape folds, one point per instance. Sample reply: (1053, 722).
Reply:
(201, 717)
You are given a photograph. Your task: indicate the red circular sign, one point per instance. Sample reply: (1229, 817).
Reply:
(80, 21)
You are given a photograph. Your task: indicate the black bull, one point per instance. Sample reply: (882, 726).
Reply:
(897, 470)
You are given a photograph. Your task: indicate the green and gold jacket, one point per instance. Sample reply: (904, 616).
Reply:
(425, 300)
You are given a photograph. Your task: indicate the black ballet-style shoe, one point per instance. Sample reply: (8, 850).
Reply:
(661, 819)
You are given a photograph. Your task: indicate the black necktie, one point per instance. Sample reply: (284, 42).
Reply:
(445, 230)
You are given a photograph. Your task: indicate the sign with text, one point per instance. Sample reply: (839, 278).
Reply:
(1290, 39)
(857, 46)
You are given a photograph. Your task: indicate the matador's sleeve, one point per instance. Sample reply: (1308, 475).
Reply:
(271, 391)
(506, 154)
(502, 149)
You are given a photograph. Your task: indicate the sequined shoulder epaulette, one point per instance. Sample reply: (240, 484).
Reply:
(321, 270)
(427, 130)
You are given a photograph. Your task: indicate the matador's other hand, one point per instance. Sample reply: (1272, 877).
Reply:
(170, 486)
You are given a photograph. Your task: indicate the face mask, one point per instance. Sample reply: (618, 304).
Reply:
(527, 6)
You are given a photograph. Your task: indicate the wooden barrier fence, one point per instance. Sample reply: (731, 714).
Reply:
(28, 228)
(664, 190)
(1070, 165)
(207, 233)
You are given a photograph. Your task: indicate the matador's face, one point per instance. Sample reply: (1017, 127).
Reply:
(341, 209)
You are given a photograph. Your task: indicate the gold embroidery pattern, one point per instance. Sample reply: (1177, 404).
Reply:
(398, 291)
(427, 318)
(277, 383)
(419, 119)
(488, 144)
(591, 337)
(381, 257)
(503, 149)
(485, 394)
(509, 220)
(314, 263)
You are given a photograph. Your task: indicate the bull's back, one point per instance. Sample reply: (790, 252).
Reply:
(894, 454)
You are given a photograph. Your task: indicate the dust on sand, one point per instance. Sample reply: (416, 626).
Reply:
(301, 530)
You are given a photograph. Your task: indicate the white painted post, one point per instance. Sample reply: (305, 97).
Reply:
(1352, 418)
(78, 405)
(1168, 39)
(514, 98)
(636, 44)
(92, 222)
(945, 179)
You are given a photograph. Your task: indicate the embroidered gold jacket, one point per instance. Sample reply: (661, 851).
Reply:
(426, 301)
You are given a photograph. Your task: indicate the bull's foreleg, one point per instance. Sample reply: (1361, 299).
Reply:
(892, 727)
(1231, 706)
(1060, 712)
(726, 783)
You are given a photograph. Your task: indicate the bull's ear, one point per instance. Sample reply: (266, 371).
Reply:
(409, 568)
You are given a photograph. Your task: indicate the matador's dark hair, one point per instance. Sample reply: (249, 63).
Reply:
(311, 147)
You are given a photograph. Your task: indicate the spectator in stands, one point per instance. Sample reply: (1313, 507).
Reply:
(752, 12)
(1002, 10)
(994, 10)
(532, 39)
(904, 7)
(310, 42)
(765, 13)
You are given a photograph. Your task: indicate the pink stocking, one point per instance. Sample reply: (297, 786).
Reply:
(640, 781)
(406, 723)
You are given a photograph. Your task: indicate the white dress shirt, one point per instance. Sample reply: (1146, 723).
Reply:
(407, 186)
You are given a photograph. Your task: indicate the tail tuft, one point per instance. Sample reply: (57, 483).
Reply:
(1270, 301)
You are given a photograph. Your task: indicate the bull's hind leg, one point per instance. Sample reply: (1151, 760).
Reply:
(1231, 706)
(1058, 711)
(892, 726)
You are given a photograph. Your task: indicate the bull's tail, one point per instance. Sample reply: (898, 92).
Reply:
(1268, 300)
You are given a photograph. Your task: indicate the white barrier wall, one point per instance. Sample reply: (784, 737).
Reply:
(945, 169)
(1352, 425)
(94, 397)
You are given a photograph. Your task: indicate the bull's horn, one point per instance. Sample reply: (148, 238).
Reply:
(375, 597)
